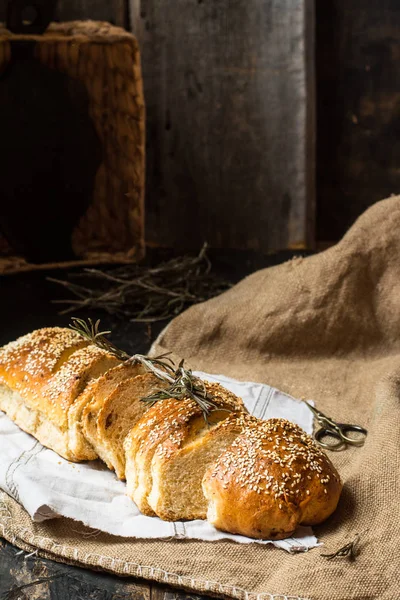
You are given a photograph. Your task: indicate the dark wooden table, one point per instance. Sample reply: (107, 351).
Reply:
(26, 304)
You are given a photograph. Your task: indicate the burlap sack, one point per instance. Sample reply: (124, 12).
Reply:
(325, 327)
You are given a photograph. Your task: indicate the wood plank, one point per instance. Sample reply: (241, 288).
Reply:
(230, 121)
(24, 576)
(358, 51)
(33, 578)
(166, 593)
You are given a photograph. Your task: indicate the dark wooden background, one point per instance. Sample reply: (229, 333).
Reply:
(229, 90)
(230, 121)
(358, 109)
(27, 577)
(231, 114)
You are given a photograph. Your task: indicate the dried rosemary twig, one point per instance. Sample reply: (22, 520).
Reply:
(90, 331)
(349, 550)
(183, 384)
(141, 293)
(161, 366)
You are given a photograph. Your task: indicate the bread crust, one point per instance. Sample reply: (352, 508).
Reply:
(50, 367)
(46, 371)
(27, 364)
(165, 429)
(178, 467)
(270, 480)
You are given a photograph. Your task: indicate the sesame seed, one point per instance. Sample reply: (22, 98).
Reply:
(275, 451)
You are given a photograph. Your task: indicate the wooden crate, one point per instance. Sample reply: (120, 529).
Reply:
(106, 60)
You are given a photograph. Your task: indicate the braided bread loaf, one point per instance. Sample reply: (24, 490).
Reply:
(257, 478)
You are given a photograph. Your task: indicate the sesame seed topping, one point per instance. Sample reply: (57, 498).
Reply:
(261, 461)
(53, 362)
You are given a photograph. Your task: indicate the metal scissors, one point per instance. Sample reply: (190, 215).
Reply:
(338, 431)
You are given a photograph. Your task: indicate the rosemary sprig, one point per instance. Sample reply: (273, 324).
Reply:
(185, 385)
(349, 550)
(182, 383)
(161, 366)
(90, 331)
(141, 293)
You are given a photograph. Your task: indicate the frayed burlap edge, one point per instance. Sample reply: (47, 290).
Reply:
(48, 548)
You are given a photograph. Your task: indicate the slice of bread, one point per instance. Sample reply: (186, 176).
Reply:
(94, 395)
(164, 419)
(107, 422)
(175, 422)
(177, 469)
(35, 422)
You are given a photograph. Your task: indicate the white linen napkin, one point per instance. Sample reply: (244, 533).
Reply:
(49, 486)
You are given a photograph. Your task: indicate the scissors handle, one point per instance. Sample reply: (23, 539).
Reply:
(324, 432)
(346, 428)
(339, 434)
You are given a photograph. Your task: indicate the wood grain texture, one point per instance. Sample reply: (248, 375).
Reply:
(25, 577)
(358, 75)
(166, 593)
(28, 577)
(230, 121)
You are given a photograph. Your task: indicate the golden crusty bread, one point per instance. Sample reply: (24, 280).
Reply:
(41, 376)
(94, 396)
(27, 364)
(169, 422)
(179, 464)
(107, 422)
(256, 478)
(270, 480)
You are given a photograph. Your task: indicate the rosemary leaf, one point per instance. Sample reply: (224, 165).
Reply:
(349, 550)
(90, 331)
(184, 386)
(161, 366)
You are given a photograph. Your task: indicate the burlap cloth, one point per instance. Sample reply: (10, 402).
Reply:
(325, 327)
